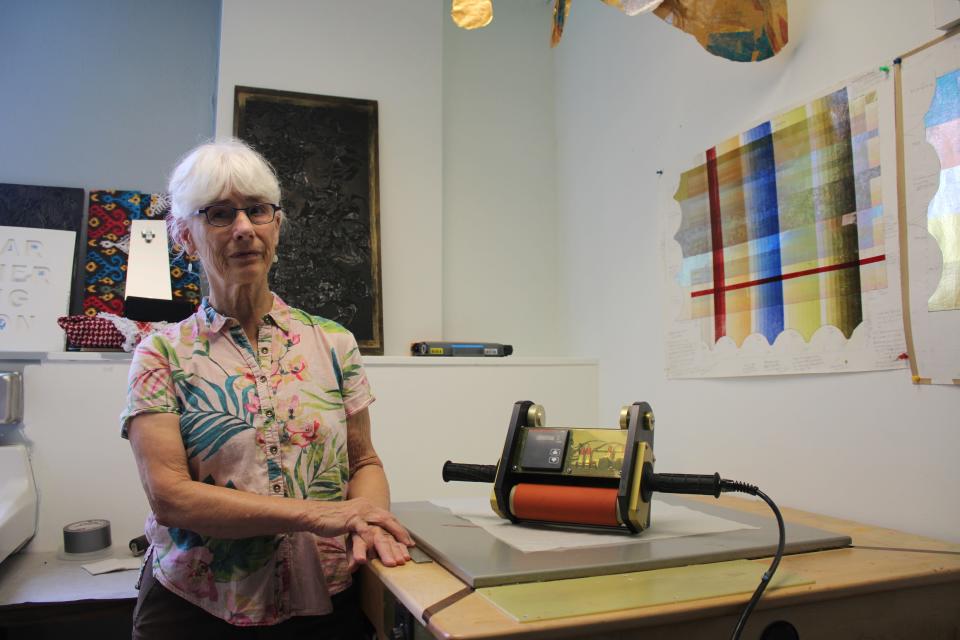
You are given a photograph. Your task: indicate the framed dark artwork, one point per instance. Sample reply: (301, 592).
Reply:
(324, 150)
(39, 207)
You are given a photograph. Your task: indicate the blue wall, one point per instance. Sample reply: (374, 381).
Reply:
(104, 94)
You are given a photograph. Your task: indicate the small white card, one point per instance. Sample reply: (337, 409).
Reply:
(148, 265)
(113, 564)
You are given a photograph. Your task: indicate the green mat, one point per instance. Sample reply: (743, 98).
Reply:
(583, 596)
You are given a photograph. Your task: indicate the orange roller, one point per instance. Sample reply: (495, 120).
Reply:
(575, 505)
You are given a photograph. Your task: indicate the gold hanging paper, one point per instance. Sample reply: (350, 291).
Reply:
(471, 14)
(733, 29)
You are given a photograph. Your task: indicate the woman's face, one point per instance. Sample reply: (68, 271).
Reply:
(237, 254)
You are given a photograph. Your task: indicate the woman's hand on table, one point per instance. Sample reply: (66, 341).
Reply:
(370, 530)
(391, 552)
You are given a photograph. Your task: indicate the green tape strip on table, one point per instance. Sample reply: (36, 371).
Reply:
(583, 596)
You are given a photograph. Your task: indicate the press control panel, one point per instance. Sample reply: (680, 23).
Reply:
(544, 449)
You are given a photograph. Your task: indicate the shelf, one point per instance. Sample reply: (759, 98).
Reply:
(446, 361)
(369, 361)
(65, 356)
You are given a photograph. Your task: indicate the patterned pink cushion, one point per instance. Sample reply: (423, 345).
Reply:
(90, 333)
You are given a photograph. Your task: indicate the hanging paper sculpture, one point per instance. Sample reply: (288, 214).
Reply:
(634, 7)
(732, 29)
(471, 14)
(561, 9)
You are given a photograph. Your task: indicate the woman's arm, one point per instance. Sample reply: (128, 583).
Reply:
(179, 501)
(367, 480)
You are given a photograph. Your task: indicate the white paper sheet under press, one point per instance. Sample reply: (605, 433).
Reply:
(668, 521)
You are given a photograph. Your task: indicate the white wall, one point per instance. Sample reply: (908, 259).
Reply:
(499, 196)
(384, 51)
(104, 94)
(429, 411)
(635, 95)
(467, 198)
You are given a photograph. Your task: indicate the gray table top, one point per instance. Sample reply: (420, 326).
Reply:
(482, 560)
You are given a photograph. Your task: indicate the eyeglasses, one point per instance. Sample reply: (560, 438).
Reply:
(223, 215)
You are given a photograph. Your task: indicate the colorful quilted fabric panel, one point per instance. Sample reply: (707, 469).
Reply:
(108, 242)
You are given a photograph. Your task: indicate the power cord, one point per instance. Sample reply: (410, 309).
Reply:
(713, 486)
(730, 485)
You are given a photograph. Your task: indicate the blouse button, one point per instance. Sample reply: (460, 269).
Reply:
(277, 488)
(269, 413)
(273, 450)
(264, 350)
(263, 379)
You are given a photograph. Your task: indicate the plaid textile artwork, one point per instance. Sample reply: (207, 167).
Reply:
(108, 242)
(782, 226)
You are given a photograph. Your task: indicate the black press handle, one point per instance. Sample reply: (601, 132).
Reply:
(686, 483)
(469, 472)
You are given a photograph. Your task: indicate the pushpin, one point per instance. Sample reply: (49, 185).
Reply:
(885, 69)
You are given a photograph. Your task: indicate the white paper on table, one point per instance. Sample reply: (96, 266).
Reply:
(112, 564)
(667, 521)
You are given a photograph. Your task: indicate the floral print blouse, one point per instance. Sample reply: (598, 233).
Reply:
(269, 418)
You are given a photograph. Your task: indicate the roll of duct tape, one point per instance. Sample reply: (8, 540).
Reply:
(86, 536)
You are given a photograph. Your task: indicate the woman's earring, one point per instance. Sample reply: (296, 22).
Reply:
(276, 258)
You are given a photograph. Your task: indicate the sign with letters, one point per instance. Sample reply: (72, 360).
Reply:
(35, 272)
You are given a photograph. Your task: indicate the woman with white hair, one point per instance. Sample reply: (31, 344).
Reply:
(249, 425)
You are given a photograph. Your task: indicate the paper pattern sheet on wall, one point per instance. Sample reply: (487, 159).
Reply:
(942, 124)
(781, 246)
(108, 243)
(930, 98)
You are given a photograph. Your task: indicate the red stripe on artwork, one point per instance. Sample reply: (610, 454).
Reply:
(716, 238)
(788, 276)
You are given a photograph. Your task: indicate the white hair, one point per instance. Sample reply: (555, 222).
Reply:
(214, 171)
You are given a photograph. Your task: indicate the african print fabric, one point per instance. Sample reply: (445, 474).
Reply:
(108, 245)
